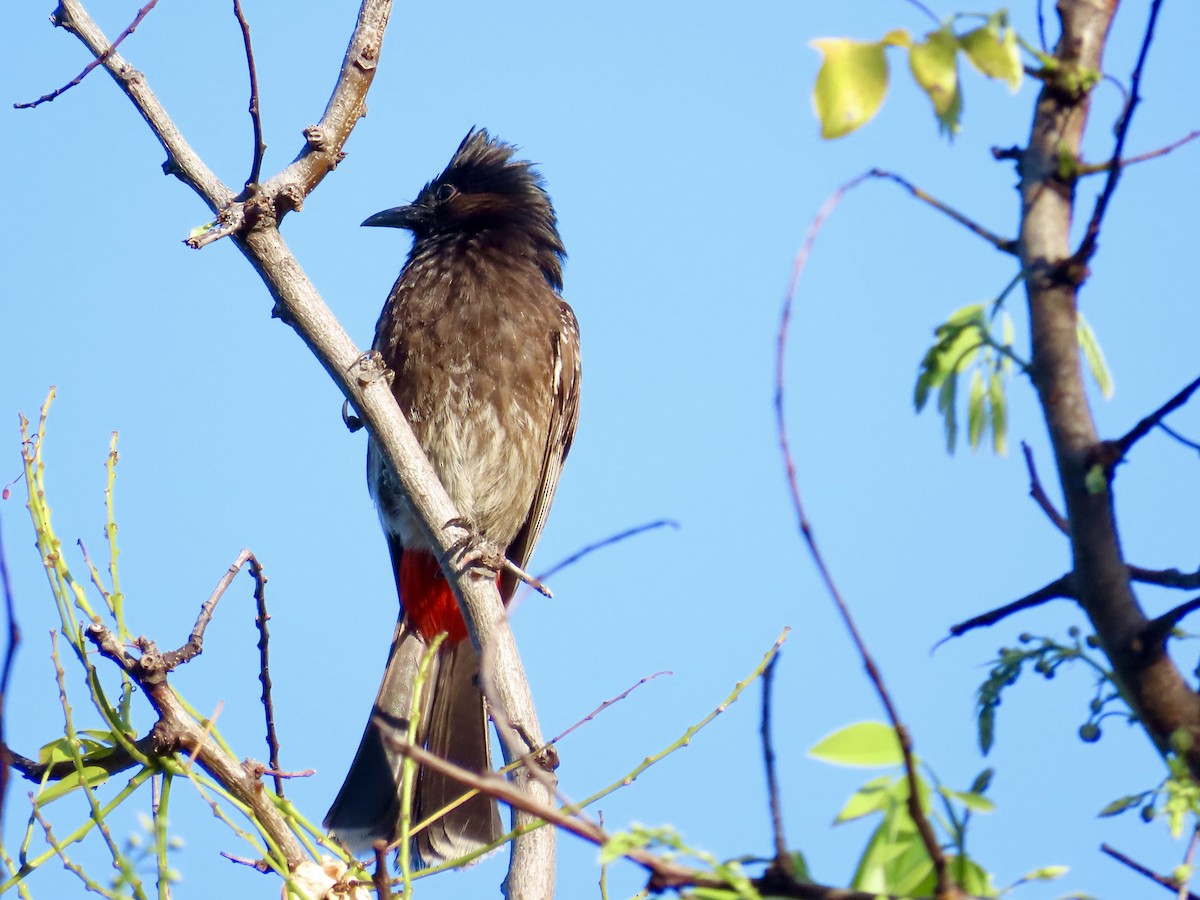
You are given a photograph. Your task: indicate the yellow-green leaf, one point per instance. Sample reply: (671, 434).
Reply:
(93, 775)
(975, 417)
(851, 84)
(995, 53)
(1094, 356)
(864, 744)
(998, 402)
(934, 65)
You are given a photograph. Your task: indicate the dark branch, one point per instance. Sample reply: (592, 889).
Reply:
(1113, 452)
(10, 656)
(944, 884)
(783, 860)
(1179, 437)
(1158, 629)
(1170, 578)
(255, 118)
(1004, 245)
(1038, 493)
(98, 61)
(264, 667)
(1060, 588)
(1163, 880)
(1087, 247)
(1140, 158)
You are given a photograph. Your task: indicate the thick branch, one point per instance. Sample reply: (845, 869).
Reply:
(1155, 688)
(360, 377)
(185, 734)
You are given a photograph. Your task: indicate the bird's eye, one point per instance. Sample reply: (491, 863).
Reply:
(445, 193)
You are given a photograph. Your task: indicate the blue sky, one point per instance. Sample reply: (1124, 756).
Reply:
(678, 143)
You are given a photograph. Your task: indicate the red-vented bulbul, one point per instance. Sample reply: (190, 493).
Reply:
(485, 355)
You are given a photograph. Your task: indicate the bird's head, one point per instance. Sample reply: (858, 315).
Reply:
(484, 189)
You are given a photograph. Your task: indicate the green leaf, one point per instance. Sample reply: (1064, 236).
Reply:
(946, 406)
(851, 84)
(975, 417)
(982, 781)
(1094, 356)
(972, 801)
(998, 403)
(864, 744)
(994, 52)
(874, 796)
(1094, 480)
(1118, 806)
(1046, 873)
(934, 65)
(92, 775)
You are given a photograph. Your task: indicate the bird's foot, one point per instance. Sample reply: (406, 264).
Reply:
(474, 551)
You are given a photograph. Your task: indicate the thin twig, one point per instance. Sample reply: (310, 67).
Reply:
(1157, 631)
(943, 882)
(606, 542)
(1087, 247)
(925, 9)
(1171, 578)
(1060, 588)
(1004, 245)
(665, 873)
(98, 61)
(783, 860)
(255, 118)
(195, 642)
(380, 877)
(1179, 437)
(1038, 493)
(1041, 20)
(1146, 425)
(264, 667)
(607, 703)
(10, 656)
(1140, 158)
(1163, 880)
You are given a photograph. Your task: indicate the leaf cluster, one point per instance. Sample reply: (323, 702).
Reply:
(853, 79)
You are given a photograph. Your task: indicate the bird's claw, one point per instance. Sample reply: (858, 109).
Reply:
(474, 551)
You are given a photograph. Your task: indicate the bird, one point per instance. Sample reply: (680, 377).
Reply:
(485, 357)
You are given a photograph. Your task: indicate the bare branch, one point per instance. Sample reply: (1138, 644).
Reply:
(1140, 158)
(255, 116)
(1060, 588)
(1116, 451)
(783, 859)
(99, 60)
(149, 671)
(664, 873)
(944, 886)
(264, 667)
(1163, 880)
(1087, 247)
(606, 704)
(1038, 493)
(10, 657)
(1004, 245)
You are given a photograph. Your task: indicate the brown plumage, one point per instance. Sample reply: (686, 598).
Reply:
(486, 360)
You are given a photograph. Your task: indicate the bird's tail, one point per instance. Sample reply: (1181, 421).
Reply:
(453, 724)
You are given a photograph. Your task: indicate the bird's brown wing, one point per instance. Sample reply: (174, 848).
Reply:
(564, 415)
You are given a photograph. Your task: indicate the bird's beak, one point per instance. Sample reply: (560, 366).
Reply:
(398, 217)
